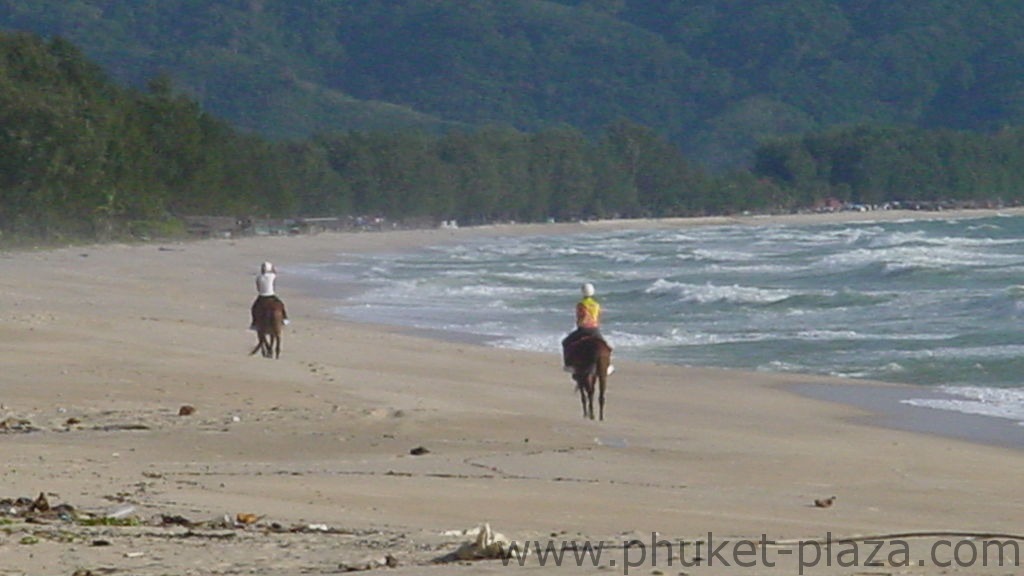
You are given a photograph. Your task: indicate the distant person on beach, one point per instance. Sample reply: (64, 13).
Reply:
(265, 291)
(588, 322)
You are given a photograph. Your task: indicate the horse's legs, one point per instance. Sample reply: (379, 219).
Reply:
(581, 385)
(590, 395)
(261, 345)
(585, 384)
(603, 361)
(276, 328)
(590, 389)
(264, 345)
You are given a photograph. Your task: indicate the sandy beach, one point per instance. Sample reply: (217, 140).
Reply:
(305, 465)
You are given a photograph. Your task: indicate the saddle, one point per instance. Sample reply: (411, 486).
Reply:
(582, 345)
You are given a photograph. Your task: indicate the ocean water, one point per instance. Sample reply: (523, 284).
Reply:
(937, 303)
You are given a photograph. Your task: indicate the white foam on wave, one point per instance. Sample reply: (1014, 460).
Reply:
(761, 268)
(530, 342)
(990, 352)
(899, 251)
(827, 335)
(921, 238)
(636, 341)
(709, 293)
(627, 257)
(720, 255)
(780, 366)
(1005, 403)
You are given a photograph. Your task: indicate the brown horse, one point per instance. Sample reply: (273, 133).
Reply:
(590, 359)
(269, 326)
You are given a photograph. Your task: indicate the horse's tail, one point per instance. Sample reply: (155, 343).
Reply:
(277, 317)
(273, 315)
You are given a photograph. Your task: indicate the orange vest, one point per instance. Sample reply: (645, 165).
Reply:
(588, 313)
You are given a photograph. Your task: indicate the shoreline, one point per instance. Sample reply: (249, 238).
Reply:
(886, 408)
(104, 345)
(859, 393)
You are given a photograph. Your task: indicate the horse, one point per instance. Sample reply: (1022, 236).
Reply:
(590, 359)
(269, 326)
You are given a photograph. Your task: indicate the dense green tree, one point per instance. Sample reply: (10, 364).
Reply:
(83, 158)
(561, 175)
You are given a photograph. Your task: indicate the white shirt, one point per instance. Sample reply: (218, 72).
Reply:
(265, 284)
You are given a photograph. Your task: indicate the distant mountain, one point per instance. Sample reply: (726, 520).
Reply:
(715, 76)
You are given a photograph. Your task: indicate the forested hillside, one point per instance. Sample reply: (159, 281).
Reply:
(115, 147)
(83, 158)
(714, 76)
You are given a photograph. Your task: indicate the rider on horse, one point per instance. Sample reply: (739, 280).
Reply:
(265, 291)
(588, 323)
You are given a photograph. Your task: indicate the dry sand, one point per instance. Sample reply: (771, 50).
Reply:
(103, 344)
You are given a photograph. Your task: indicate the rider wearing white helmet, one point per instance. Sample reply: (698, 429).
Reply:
(265, 291)
(588, 321)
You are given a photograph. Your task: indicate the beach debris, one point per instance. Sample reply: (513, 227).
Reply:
(120, 512)
(419, 451)
(387, 561)
(42, 511)
(13, 424)
(120, 427)
(246, 518)
(41, 504)
(186, 410)
(612, 442)
(37, 510)
(175, 520)
(825, 502)
(221, 522)
(226, 521)
(485, 544)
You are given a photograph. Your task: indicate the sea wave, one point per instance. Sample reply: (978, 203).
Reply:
(926, 302)
(986, 401)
